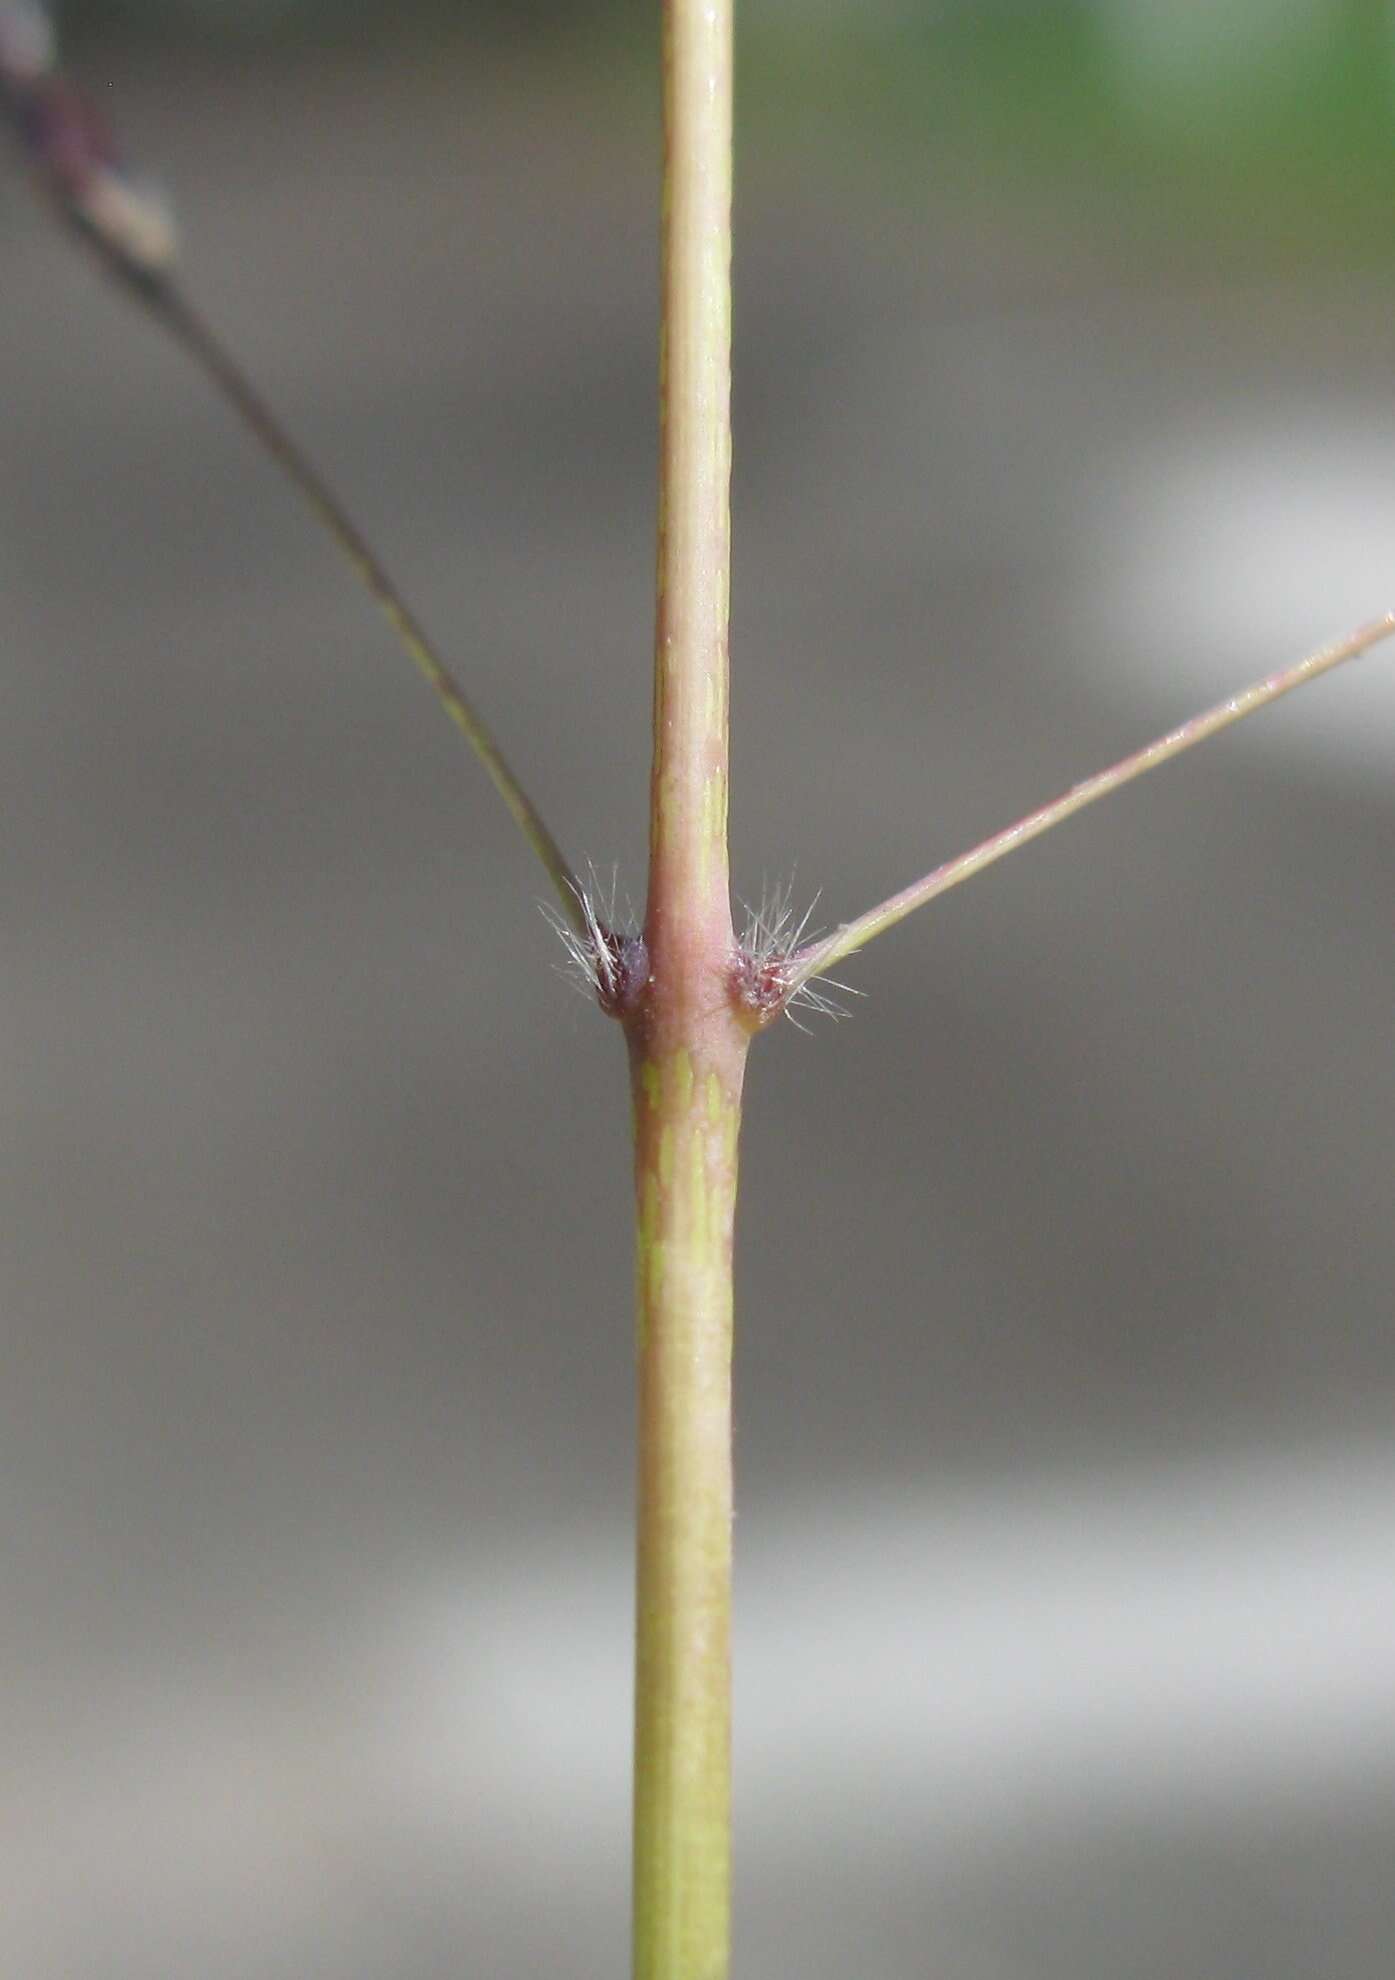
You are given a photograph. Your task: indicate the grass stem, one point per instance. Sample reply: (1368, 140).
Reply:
(688, 1053)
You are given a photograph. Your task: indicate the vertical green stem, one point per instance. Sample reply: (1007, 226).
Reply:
(687, 1117)
(688, 1051)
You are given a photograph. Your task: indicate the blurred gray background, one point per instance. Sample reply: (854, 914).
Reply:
(1066, 1603)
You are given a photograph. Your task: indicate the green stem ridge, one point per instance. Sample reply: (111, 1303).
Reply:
(819, 956)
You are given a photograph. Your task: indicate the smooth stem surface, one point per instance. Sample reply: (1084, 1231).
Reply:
(854, 935)
(689, 908)
(687, 1053)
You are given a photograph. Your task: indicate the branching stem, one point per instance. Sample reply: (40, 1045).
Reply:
(688, 998)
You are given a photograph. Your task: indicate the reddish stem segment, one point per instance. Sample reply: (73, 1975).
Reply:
(689, 912)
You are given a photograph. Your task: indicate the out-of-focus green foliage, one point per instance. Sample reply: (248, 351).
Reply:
(1263, 127)
(1257, 127)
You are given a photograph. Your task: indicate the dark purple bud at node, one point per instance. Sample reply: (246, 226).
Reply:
(27, 48)
(129, 221)
(760, 985)
(766, 981)
(72, 147)
(606, 955)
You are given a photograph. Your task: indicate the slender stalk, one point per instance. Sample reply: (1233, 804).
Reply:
(689, 910)
(687, 1053)
(177, 316)
(133, 237)
(819, 956)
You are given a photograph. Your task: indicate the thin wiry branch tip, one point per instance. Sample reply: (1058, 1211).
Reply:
(127, 223)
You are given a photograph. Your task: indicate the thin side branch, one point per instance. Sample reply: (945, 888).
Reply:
(818, 957)
(129, 228)
(176, 316)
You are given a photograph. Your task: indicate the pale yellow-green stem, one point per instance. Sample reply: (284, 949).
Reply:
(687, 1113)
(687, 1053)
